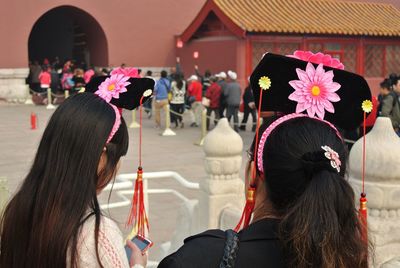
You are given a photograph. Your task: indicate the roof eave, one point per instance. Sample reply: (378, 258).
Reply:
(199, 19)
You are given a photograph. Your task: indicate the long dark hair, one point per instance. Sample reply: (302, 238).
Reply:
(319, 225)
(41, 223)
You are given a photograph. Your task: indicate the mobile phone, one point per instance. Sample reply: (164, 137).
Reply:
(141, 242)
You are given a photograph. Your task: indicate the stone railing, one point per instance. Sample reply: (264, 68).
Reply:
(12, 84)
(382, 185)
(223, 189)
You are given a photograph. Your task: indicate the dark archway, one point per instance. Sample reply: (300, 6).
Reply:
(68, 32)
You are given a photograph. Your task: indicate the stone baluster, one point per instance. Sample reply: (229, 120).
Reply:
(382, 185)
(12, 84)
(223, 188)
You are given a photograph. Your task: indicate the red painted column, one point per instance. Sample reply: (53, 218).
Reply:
(360, 56)
(249, 57)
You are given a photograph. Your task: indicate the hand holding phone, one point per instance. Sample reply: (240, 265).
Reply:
(141, 242)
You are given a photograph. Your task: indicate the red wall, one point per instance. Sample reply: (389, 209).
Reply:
(373, 83)
(138, 32)
(216, 54)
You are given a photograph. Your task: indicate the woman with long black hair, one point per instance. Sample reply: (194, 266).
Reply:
(54, 219)
(300, 209)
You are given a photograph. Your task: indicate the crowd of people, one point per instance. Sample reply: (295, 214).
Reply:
(220, 94)
(70, 76)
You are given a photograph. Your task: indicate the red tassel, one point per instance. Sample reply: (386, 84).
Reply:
(248, 209)
(363, 199)
(250, 198)
(137, 215)
(363, 216)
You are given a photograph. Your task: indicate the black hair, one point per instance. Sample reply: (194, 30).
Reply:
(386, 84)
(179, 82)
(149, 73)
(41, 223)
(393, 79)
(396, 80)
(319, 225)
(164, 74)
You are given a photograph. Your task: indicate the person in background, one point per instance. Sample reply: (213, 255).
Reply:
(67, 68)
(45, 79)
(213, 93)
(35, 71)
(178, 90)
(232, 94)
(55, 84)
(393, 80)
(195, 97)
(249, 108)
(163, 86)
(205, 80)
(67, 82)
(396, 87)
(389, 105)
(148, 104)
(176, 72)
(89, 73)
(79, 81)
(57, 65)
(222, 83)
(46, 63)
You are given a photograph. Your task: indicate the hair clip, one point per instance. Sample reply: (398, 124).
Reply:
(333, 156)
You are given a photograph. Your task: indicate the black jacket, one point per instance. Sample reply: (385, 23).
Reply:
(258, 247)
(248, 95)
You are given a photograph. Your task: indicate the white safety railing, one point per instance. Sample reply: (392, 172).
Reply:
(123, 188)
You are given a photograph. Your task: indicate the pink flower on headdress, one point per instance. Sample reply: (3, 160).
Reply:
(112, 86)
(314, 91)
(130, 72)
(317, 58)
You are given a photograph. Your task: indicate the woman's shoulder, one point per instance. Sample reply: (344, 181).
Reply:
(201, 250)
(110, 243)
(258, 246)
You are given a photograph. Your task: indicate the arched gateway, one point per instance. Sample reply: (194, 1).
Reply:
(68, 32)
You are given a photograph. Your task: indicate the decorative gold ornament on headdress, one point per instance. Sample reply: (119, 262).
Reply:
(264, 82)
(367, 106)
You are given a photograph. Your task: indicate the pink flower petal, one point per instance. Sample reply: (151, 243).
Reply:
(310, 112)
(310, 70)
(333, 97)
(296, 84)
(320, 114)
(293, 97)
(328, 77)
(299, 108)
(328, 106)
(333, 87)
(303, 76)
(319, 73)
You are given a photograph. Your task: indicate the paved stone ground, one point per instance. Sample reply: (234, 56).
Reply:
(176, 153)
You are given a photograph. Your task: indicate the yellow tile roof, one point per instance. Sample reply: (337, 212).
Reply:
(313, 17)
